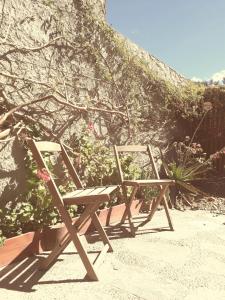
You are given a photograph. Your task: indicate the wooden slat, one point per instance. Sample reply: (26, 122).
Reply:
(118, 164)
(48, 146)
(86, 199)
(131, 148)
(110, 189)
(148, 182)
(98, 191)
(79, 193)
(72, 171)
(94, 191)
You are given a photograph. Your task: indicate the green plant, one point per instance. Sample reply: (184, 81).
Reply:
(2, 237)
(36, 210)
(187, 164)
(44, 212)
(16, 220)
(96, 163)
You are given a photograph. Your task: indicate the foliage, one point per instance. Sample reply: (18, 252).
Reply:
(14, 219)
(36, 210)
(95, 162)
(96, 165)
(38, 196)
(188, 163)
(218, 154)
(2, 237)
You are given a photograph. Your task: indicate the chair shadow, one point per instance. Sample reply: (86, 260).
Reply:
(21, 276)
(122, 230)
(24, 275)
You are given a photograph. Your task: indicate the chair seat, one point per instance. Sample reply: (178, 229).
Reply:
(148, 182)
(89, 195)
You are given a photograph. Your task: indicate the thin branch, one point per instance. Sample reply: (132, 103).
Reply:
(53, 97)
(7, 132)
(25, 79)
(3, 7)
(119, 91)
(28, 118)
(7, 140)
(27, 50)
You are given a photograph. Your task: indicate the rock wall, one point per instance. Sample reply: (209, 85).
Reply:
(67, 48)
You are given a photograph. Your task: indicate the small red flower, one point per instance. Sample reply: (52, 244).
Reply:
(215, 156)
(90, 126)
(43, 175)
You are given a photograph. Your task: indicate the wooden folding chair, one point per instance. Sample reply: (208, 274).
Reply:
(91, 198)
(163, 185)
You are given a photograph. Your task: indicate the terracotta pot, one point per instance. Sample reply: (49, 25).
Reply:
(19, 247)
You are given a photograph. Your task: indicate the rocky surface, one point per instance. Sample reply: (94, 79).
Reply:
(12, 171)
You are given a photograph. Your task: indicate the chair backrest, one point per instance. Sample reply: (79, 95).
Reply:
(134, 148)
(37, 149)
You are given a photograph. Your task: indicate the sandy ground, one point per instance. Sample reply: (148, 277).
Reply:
(186, 264)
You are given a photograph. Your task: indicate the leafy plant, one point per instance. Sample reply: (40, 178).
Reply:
(2, 239)
(37, 209)
(96, 163)
(188, 164)
(45, 213)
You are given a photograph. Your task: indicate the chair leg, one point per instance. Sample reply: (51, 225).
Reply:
(86, 215)
(59, 248)
(127, 213)
(124, 189)
(165, 204)
(72, 235)
(64, 242)
(101, 231)
(91, 273)
(156, 204)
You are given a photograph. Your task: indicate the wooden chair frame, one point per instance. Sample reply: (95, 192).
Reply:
(163, 185)
(91, 198)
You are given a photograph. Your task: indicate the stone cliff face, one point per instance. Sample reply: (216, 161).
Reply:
(67, 49)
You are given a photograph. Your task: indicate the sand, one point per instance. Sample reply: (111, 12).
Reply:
(186, 264)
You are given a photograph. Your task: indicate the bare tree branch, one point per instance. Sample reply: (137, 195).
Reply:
(53, 97)
(2, 13)
(25, 50)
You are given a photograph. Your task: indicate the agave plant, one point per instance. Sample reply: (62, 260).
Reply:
(185, 175)
(187, 164)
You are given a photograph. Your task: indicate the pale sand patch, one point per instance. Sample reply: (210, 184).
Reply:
(206, 294)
